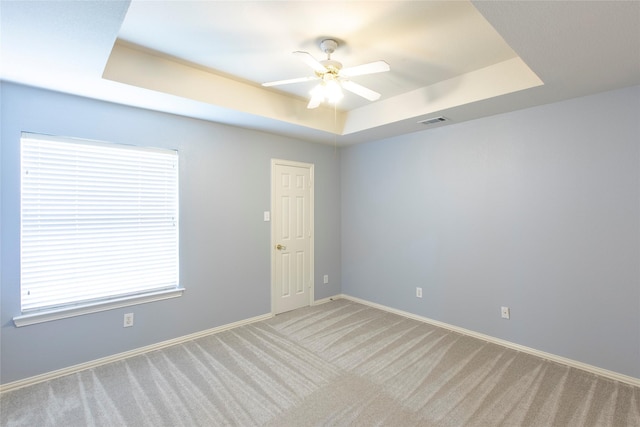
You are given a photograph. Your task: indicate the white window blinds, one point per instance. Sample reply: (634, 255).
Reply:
(98, 221)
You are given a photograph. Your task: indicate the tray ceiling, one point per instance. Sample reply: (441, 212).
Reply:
(207, 59)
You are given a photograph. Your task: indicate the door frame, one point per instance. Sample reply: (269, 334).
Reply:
(310, 166)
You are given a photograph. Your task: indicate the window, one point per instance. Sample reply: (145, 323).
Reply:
(99, 226)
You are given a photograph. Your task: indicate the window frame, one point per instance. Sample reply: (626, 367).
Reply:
(117, 299)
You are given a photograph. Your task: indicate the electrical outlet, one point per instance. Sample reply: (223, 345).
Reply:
(326, 278)
(505, 312)
(128, 320)
(419, 292)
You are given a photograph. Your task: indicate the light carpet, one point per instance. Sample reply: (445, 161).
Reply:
(335, 364)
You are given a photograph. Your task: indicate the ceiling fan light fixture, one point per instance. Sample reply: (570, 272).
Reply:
(317, 97)
(333, 78)
(333, 91)
(317, 91)
(329, 90)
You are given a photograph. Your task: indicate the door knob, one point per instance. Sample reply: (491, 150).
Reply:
(280, 247)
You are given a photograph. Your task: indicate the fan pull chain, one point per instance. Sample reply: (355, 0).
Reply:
(335, 130)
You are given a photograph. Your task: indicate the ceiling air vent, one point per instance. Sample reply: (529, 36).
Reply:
(433, 120)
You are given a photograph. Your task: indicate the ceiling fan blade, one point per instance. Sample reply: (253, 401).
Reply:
(289, 81)
(370, 68)
(310, 61)
(360, 90)
(317, 96)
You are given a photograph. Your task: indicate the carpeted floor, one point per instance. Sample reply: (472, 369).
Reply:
(334, 364)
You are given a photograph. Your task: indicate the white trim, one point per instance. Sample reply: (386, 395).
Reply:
(79, 310)
(116, 357)
(120, 356)
(311, 168)
(326, 300)
(544, 355)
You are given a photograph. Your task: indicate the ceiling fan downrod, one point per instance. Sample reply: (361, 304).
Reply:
(328, 46)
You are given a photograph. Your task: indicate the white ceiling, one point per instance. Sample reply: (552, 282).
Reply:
(206, 59)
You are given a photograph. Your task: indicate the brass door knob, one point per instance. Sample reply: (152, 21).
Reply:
(280, 247)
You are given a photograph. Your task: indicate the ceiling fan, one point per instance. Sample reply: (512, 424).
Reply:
(333, 78)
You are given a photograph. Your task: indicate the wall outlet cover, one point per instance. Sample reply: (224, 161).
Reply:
(128, 320)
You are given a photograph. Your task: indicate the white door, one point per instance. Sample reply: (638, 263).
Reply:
(291, 235)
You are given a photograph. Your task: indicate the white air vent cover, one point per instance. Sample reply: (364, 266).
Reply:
(433, 120)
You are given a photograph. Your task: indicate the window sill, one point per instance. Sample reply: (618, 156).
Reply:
(63, 313)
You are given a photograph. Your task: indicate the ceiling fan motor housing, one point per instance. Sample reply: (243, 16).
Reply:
(332, 66)
(328, 46)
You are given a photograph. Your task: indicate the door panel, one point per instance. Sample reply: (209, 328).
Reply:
(292, 237)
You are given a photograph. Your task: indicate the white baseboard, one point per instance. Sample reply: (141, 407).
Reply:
(326, 300)
(120, 356)
(549, 356)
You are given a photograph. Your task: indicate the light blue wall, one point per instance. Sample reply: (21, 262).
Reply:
(538, 210)
(225, 245)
